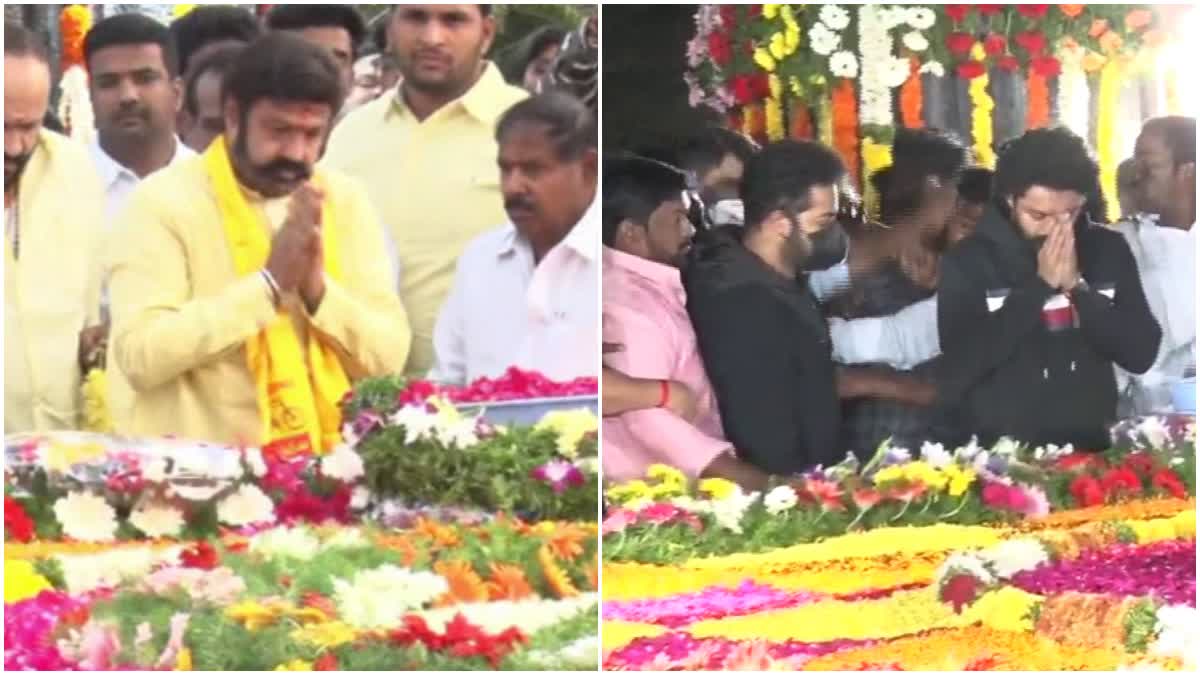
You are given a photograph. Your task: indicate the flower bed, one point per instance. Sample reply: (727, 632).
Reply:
(977, 559)
(168, 555)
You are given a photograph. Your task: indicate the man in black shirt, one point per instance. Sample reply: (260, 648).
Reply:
(762, 336)
(1036, 307)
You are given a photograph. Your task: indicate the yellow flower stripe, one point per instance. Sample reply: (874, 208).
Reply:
(45, 549)
(1108, 110)
(897, 615)
(21, 581)
(1006, 608)
(954, 649)
(981, 121)
(617, 634)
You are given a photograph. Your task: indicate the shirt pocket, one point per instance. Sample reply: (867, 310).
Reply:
(996, 298)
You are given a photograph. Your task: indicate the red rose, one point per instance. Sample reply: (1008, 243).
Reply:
(995, 45)
(719, 47)
(960, 44)
(1141, 462)
(1086, 491)
(969, 70)
(1009, 63)
(1121, 480)
(960, 590)
(989, 10)
(1032, 41)
(956, 12)
(1167, 481)
(1046, 66)
(18, 526)
(200, 555)
(729, 16)
(1079, 461)
(1033, 11)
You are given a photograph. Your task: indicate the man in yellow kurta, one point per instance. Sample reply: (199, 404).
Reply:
(53, 207)
(427, 152)
(248, 292)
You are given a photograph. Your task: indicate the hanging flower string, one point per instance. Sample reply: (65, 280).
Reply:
(845, 124)
(773, 110)
(911, 98)
(1109, 95)
(981, 114)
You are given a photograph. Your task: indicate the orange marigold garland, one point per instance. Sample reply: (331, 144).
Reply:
(73, 25)
(911, 98)
(845, 125)
(801, 123)
(1038, 115)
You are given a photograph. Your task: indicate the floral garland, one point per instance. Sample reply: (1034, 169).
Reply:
(773, 110)
(844, 113)
(1109, 94)
(1073, 91)
(911, 95)
(75, 103)
(981, 116)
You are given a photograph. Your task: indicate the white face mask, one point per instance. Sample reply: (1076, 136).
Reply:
(727, 212)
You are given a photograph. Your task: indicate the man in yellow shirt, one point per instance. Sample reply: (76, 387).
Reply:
(248, 292)
(53, 207)
(427, 152)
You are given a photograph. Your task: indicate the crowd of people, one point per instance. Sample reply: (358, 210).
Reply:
(275, 209)
(758, 321)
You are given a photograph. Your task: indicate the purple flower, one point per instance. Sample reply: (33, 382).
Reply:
(366, 422)
(1164, 569)
(559, 474)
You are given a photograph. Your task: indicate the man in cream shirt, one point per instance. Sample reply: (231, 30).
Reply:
(426, 152)
(52, 210)
(527, 294)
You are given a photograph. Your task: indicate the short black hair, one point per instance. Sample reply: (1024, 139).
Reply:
(131, 28)
(299, 17)
(218, 61)
(633, 188)
(706, 150)
(975, 185)
(379, 31)
(918, 155)
(284, 67)
(1055, 158)
(571, 124)
(20, 41)
(212, 23)
(783, 173)
(537, 42)
(484, 10)
(1180, 135)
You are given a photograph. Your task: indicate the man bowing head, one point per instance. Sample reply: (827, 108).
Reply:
(249, 290)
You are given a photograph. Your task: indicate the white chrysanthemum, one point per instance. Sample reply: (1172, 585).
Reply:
(460, 434)
(1155, 431)
(256, 463)
(729, 511)
(347, 538)
(155, 470)
(157, 520)
(1006, 447)
(418, 424)
(91, 571)
(379, 598)
(779, 500)
(959, 563)
(822, 40)
(297, 543)
(86, 517)
(921, 18)
(1008, 558)
(343, 464)
(934, 68)
(246, 506)
(891, 17)
(896, 72)
(936, 455)
(1178, 631)
(916, 41)
(360, 498)
(835, 17)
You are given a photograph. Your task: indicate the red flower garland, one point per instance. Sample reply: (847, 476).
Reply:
(956, 12)
(1033, 11)
(18, 526)
(1038, 115)
(461, 638)
(1087, 491)
(969, 70)
(720, 49)
(995, 45)
(960, 43)
(845, 125)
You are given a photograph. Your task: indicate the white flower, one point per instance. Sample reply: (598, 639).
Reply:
(898, 455)
(379, 598)
(588, 465)
(91, 571)
(835, 17)
(246, 506)
(921, 18)
(346, 538)
(1155, 432)
(155, 470)
(936, 455)
(822, 40)
(343, 464)
(691, 504)
(779, 500)
(1008, 558)
(896, 72)
(286, 542)
(418, 424)
(460, 434)
(915, 41)
(959, 563)
(934, 68)
(981, 461)
(86, 517)
(348, 434)
(1006, 447)
(156, 520)
(892, 17)
(254, 460)
(360, 498)
(1178, 629)
(729, 511)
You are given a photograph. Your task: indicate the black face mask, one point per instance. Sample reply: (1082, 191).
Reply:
(828, 248)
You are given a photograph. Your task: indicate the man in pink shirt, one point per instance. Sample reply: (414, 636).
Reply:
(646, 233)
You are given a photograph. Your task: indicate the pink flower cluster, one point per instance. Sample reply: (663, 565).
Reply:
(1024, 499)
(29, 628)
(680, 651)
(1165, 569)
(715, 602)
(217, 587)
(659, 513)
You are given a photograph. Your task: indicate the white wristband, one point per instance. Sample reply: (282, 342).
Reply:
(276, 293)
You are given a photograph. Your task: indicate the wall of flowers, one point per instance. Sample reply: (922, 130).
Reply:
(849, 75)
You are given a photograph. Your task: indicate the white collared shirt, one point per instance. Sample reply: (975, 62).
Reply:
(119, 182)
(503, 311)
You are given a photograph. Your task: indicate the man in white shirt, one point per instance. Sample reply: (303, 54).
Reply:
(135, 91)
(527, 294)
(1165, 253)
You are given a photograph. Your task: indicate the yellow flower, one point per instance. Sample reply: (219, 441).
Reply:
(770, 11)
(667, 475)
(617, 634)
(183, 662)
(1185, 524)
(981, 121)
(1008, 609)
(717, 488)
(629, 491)
(774, 114)
(889, 474)
(665, 491)
(960, 479)
(294, 665)
(253, 615)
(796, 86)
(777, 46)
(572, 426)
(776, 87)
(1150, 531)
(764, 60)
(96, 413)
(791, 39)
(325, 635)
(21, 581)
(978, 52)
(60, 457)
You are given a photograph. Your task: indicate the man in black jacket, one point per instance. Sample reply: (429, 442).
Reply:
(763, 338)
(1036, 307)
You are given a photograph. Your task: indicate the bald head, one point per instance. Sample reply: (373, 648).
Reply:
(26, 98)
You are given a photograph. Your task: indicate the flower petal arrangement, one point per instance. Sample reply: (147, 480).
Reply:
(967, 559)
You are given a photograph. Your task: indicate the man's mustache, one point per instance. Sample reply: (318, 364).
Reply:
(279, 167)
(518, 203)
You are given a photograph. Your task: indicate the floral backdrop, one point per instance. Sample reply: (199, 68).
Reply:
(848, 75)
